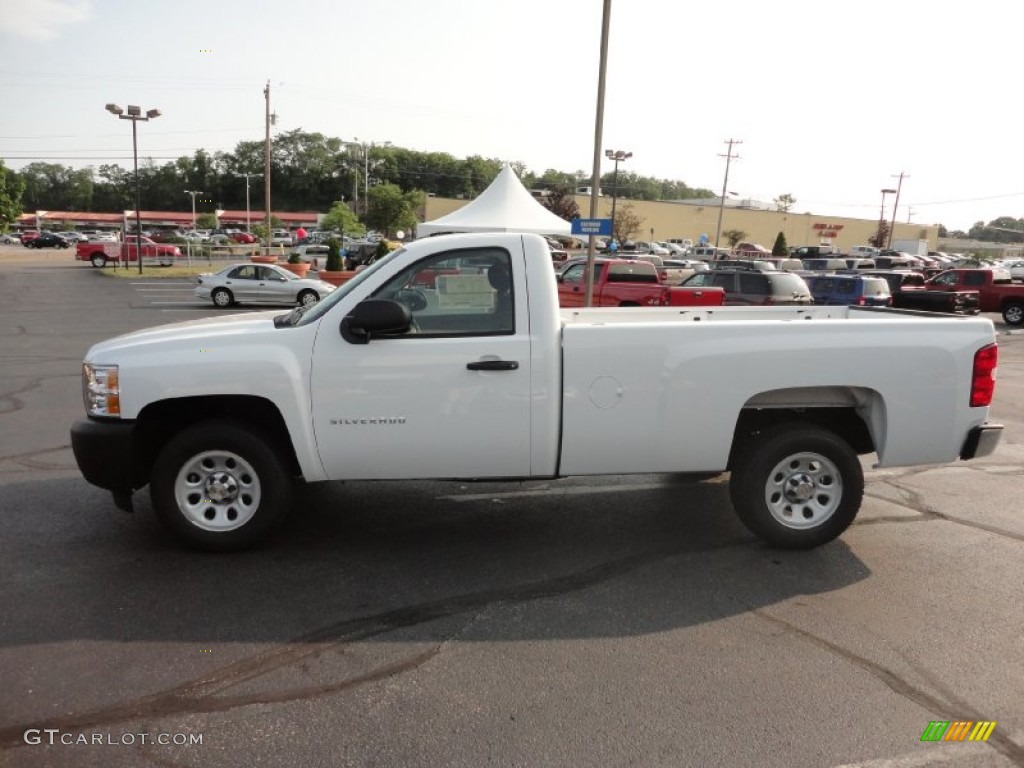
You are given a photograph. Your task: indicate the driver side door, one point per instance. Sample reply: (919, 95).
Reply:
(451, 398)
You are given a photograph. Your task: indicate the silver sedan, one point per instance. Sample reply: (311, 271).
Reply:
(259, 284)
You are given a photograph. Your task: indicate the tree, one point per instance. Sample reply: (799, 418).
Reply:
(562, 203)
(734, 236)
(11, 187)
(343, 219)
(627, 221)
(389, 209)
(784, 202)
(780, 248)
(206, 221)
(881, 236)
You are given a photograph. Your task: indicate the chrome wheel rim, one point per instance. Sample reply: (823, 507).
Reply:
(803, 490)
(221, 299)
(217, 491)
(1014, 315)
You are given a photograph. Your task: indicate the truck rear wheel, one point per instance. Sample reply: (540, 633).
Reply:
(219, 486)
(98, 260)
(797, 486)
(1013, 314)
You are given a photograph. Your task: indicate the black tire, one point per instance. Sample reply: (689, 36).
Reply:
(98, 260)
(797, 485)
(308, 298)
(222, 298)
(1013, 314)
(219, 486)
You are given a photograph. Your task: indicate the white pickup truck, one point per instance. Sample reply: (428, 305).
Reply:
(450, 358)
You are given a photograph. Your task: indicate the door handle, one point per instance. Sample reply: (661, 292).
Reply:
(493, 365)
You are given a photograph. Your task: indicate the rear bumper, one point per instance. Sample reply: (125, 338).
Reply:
(981, 441)
(105, 452)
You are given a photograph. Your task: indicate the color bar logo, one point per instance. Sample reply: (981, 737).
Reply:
(958, 730)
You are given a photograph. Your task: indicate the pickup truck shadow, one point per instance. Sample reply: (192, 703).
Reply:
(364, 583)
(622, 556)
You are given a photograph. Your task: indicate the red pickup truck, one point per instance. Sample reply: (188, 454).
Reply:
(996, 291)
(628, 283)
(99, 253)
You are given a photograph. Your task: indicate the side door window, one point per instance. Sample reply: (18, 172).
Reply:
(463, 293)
(245, 272)
(574, 274)
(947, 279)
(974, 278)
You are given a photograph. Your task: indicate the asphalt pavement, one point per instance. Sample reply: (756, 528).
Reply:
(627, 621)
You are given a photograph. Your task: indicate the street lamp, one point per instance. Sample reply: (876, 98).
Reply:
(135, 115)
(248, 176)
(193, 193)
(618, 156)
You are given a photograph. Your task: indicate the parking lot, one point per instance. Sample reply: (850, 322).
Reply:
(627, 620)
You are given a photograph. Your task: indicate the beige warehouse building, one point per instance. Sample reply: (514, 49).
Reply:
(661, 220)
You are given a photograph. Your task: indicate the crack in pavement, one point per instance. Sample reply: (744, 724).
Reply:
(914, 501)
(952, 708)
(204, 694)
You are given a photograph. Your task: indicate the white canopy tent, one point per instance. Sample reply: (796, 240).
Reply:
(505, 206)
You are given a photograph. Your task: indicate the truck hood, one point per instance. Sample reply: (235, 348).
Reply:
(190, 332)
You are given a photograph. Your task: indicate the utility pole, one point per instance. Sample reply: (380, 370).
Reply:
(896, 205)
(595, 190)
(729, 156)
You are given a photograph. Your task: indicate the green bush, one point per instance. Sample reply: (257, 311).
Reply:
(333, 255)
(780, 248)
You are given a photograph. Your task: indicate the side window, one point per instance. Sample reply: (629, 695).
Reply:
(974, 278)
(756, 284)
(700, 280)
(846, 286)
(245, 272)
(271, 275)
(573, 274)
(457, 293)
(723, 280)
(947, 279)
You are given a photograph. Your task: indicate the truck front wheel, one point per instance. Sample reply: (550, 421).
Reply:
(219, 486)
(1013, 314)
(98, 260)
(797, 486)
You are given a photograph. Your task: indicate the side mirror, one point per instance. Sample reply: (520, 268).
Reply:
(560, 278)
(375, 316)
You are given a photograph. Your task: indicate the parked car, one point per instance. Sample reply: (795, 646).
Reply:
(815, 252)
(280, 237)
(259, 284)
(909, 291)
(857, 290)
(29, 234)
(745, 287)
(757, 265)
(1016, 269)
(47, 240)
(9, 238)
(627, 283)
(750, 250)
(74, 237)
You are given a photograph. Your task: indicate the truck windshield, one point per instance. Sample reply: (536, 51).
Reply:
(305, 315)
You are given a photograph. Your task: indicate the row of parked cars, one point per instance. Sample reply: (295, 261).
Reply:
(858, 282)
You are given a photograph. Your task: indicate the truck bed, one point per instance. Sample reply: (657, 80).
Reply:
(601, 315)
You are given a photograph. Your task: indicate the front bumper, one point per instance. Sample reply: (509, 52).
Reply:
(106, 452)
(981, 441)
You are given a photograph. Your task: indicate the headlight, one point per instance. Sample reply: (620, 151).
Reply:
(101, 390)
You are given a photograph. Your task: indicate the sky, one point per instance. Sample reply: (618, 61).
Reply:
(831, 101)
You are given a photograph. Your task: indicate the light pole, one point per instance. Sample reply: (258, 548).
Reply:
(881, 218)
(367, 146)
(618, 156)
(248, 176)
(135, 115)
(193, 193)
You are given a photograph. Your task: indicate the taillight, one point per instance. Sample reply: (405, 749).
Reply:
(983, 378)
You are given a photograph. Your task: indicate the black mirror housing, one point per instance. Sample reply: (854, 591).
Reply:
(375, 317)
